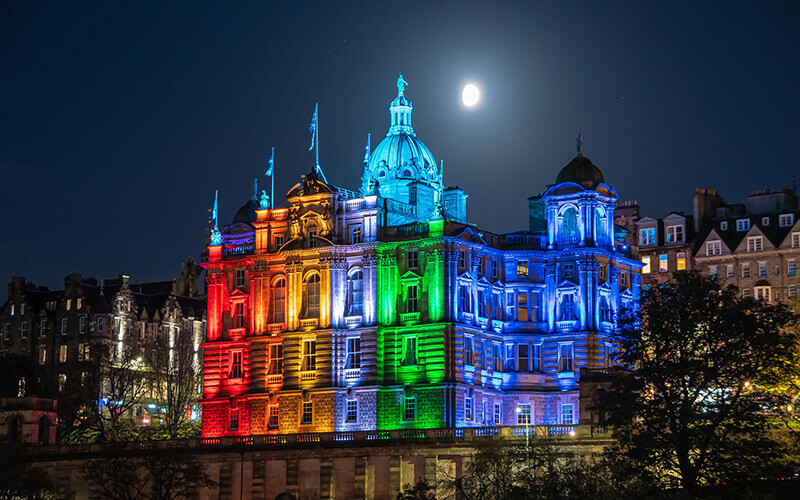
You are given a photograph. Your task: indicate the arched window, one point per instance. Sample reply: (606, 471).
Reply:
(311, 296)
(606, 313)
(569, 225)
(381, 174)
(355, 294)
(599, 225)
(44, 430)
(279, 301)
(568, 312)
(407, 173)
(311, 233)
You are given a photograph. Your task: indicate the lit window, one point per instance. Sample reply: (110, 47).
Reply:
(236, 365)
(409, 354)
(713, 248)
(308, 413)
(762, 293)
(62, 381)
(238, 315)
(467, 408)
(42, 355)
(567, 414)
(786, 220)
(274, 416)
(276, 359)
(729, 273)
(309, 362)
(409, 408)
(355, 235)
(241, 276)
(742, 225)
(413, 259)
(647, 236)
(646, 262)
(62, 354)
(755, 243)
(523, 414)
(522, 357)
(469, 352)
(565, 358)
(663, 263)
(353, 353)
(713, 271)
(411, 299)
(311, 290)
(791, 267)
(12, 309)
(69, 304)
(762, 269)
(352, 411)
(498, 414)
(522, 268)
(279, 301)
(745, 271)
(522, 306)
(233, 419)
(674, 234)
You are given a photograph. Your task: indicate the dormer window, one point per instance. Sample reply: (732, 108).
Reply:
(765, 221)
(407, 173)
(755, 244)
(713, 248)
(647, 236)
(723, 225)
(742, 225)
(381, 174)
(786, 220)
(674, 234)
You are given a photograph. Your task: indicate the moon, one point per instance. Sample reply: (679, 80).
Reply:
(470, 95)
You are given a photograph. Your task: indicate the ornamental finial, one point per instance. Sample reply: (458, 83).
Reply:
(580, 144)
(401, 84)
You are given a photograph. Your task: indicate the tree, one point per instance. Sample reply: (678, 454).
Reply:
(421, 490)
(176, 476)
(688, 410)
(178, 378)
(18, 477)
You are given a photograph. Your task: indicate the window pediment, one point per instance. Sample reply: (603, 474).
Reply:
(410, 276)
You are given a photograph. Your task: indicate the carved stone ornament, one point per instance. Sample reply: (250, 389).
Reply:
(369, 260)
(387, 260)
(294, 266)
(550, 269)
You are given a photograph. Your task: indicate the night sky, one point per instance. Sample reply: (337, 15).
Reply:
(118, 122)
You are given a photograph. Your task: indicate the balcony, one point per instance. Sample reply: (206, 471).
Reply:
(308, 376)
(353, 321)
(237, 333)
(352, 374)
(309, 324)
(274, 328)
(566, 326)
(467, 318)
(409, 318)
(482, 322)
(497, 326)
(276, 379)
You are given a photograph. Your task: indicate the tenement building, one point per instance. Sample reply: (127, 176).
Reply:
(63, 333)
(755, 246)
(385, 309)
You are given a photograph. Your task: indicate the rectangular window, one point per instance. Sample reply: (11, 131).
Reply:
(791, 267)
(86, 352)
(23, 330)
(233, 419)
(353, 353)
(538, 365)
(522, 306)
(462, 259)
(238, 315)
(42, 355)
(411, 299)
(308, 413)
(80, 352)
(309, 362)
(409, 408)
(674, 234)
(6, 331)
(413, 259)
(536, 303)
(498, 414)
(241, 276)
(681, 261)
(729, 272)
(352, 411)
(467, 408)
(745, 271)
(62, 354)
(409, 351)
(236, 365)
(278, 242)
(494, 268)
(43, 328)
(480, 265)
(355, 235)
(746, 292)
(523, 414)
(569, 270)
(762, 269)
(567, 417)
(765, 221)
(762, 293)
(497, 358)
(755, 244)
(274, 416)
(522, 268)
(522, 357)
(463, 299)
(647, 236)
(276, 359)
(602, 272)
(565, 353)
(713, 248)
(786, 220)
(623, 279)
(646, 262)
(100, 325)
(742, 225)
(481, 304)
(713, 271)
(63, 326)
(792, 290)
(469, 353)
(663, 263)
(69, 304)
(510, 358)
(795, 240)
(82, 325)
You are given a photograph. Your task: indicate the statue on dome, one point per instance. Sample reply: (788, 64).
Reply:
(264, 202)
(401, 84)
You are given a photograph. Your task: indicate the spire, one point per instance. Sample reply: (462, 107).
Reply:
(366, 150)
(255, 188)
(400, 111)
(216, 236)
(580, 144)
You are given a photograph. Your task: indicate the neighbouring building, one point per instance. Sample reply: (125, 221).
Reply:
(384, 309)
(57, 332)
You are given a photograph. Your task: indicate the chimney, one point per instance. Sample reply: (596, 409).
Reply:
(706, 201)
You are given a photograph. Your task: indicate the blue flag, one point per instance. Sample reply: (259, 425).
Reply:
(271, 163)
(313, 128)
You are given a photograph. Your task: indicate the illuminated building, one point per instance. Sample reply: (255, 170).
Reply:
(385, 309)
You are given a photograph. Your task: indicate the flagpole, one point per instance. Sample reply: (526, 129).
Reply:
(272, 179)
